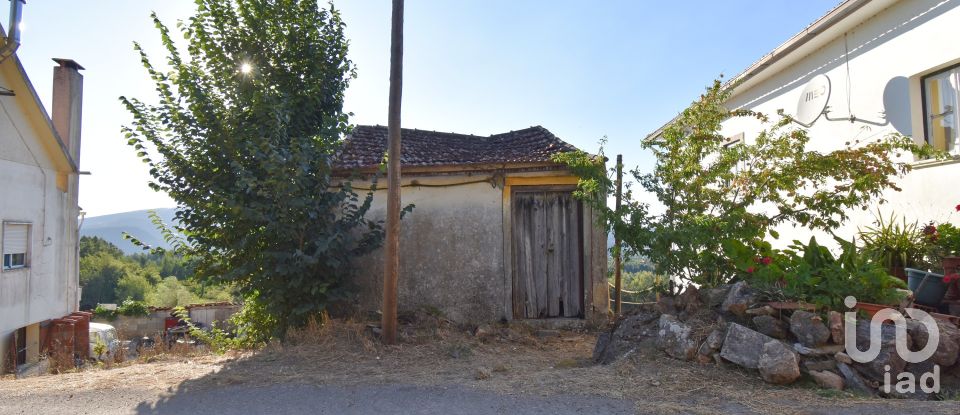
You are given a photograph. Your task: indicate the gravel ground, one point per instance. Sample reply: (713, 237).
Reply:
(299, 399)
(339, 370)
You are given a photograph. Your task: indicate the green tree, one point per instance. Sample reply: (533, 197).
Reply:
(99, 275)
(134, 286)
(243, 138)
(712, 192)
(171, 292)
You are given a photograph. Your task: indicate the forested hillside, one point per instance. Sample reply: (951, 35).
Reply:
(107, 275)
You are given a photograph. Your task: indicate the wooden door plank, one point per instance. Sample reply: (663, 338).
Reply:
(553, 253)
(574, 281)
(520, 255)
(538, 253)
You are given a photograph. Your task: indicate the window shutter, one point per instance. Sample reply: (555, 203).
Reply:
(15, 237)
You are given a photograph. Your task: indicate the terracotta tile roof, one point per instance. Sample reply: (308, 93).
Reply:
(366, 146)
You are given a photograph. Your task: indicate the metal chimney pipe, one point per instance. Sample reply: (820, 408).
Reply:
(12, 41)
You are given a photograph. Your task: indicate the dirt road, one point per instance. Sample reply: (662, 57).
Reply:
(445, 373)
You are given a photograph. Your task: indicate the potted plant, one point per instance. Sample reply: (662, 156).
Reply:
(896, 244)
(928, 287)
(944, 240)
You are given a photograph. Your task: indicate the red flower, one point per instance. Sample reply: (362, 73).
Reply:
(958, 208)
(766, 260)
(951, 278)
(750, 270)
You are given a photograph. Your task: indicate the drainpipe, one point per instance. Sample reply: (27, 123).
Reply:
(12, 40)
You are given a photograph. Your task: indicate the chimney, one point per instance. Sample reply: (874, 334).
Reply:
(67, 104)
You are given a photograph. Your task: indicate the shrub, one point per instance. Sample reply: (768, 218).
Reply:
(131, 308)
(810, 273)
(104, 313)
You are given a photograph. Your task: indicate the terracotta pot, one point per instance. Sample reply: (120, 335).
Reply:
(869, 308)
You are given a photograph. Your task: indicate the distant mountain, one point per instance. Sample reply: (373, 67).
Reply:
(136, 223)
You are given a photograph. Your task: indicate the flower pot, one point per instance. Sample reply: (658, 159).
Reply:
(869, 308)
(928, 287)
(951, 266)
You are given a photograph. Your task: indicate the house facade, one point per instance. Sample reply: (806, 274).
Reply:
(38, 209)
(495, 233)
(867, 69)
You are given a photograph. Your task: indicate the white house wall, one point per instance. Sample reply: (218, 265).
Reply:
(888, 54)
(47, 288)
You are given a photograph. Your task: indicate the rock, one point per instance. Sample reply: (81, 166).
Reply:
(674, 338)
(771, 326)
(761, 311)
(843, 358)
(482, 373)
(808, 328)
(743, 346)
(819, 365)
(948, 348)
(666, 305)
(827, 379)
(778, 364)
(826, 350)
(603, 341)
(835, 324)
(887, 356)
(714, 297)
(712, 344)
(633, 330)
(738, 299)
(689, 300)
(853, 381)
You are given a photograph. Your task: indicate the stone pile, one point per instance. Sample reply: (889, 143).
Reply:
(729, 325)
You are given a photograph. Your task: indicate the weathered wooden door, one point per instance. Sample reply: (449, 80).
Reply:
(547, 254)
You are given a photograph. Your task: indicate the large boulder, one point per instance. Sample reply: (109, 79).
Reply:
(738, 299)
(948, 347)
(634, 330)
(743, 346)
(778, 364)
(771, 326)
(808, 328)
(674, 338)
(875, 369)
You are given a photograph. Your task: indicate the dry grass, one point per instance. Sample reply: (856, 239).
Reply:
(433, 352)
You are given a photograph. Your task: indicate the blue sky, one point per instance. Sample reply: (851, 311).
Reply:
(583, 69)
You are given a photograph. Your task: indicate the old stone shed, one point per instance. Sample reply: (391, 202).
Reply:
(495, 234)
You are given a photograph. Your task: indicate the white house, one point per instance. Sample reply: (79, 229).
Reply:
(866, 69)
(38, 207)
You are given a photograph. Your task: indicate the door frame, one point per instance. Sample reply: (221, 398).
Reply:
(546, 183)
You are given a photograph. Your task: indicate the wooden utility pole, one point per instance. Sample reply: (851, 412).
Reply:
(618, 280)
(391, 264)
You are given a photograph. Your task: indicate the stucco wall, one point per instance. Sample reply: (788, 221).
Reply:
(453, 251)
(450, 250)
(888, 54)
(48, 287)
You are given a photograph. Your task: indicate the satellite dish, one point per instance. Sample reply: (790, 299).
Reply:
(813, 100)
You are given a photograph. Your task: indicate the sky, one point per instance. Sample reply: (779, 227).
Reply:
(585, 70)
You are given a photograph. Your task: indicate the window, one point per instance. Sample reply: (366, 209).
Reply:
(16, 241)
(940, 114)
